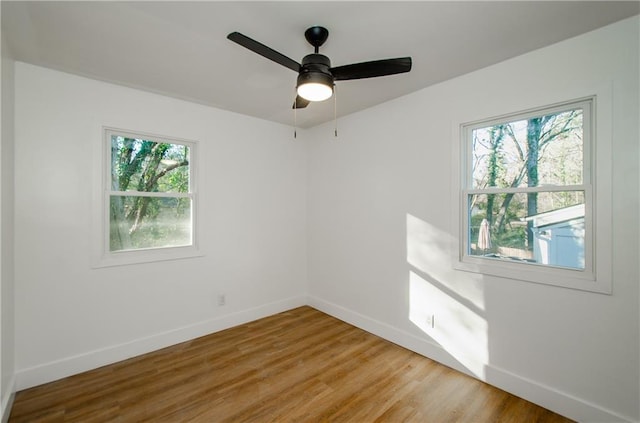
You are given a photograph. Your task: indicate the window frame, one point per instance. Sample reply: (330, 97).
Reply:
(151, 254)
(595, 277)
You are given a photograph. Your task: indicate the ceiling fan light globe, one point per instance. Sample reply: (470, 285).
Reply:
(315, 91)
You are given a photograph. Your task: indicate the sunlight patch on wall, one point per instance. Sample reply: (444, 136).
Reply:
(431, 251)
(457, 328)
(445, 305)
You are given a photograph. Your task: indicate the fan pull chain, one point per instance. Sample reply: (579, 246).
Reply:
(295, 118)
(335, 113)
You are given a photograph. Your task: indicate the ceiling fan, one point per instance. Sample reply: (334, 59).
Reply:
(316, 77)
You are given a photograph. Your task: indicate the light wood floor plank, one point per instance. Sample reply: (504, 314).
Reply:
(297, 366)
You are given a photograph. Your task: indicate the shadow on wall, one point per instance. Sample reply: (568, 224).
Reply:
(446, 306)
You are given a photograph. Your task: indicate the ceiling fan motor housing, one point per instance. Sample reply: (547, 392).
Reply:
(315, 68)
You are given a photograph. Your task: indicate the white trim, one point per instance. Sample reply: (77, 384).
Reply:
(102, 257)
(151, 194)
(545, 396)
(597, 275)
(48, 372)
(150, 255)
(7, 400)
(525, 190)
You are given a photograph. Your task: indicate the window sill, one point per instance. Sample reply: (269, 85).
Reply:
(583, 280)
(124, 258)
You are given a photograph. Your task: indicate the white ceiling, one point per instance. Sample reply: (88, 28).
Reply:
(180, 48)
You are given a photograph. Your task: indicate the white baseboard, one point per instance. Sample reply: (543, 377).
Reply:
(549, 398)
(7, 401)
(48, 372)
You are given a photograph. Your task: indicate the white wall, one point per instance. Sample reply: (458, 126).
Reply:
(7, 340)
(380, 235)
(252, 191)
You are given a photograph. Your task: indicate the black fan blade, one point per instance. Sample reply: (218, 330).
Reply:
(264, 51)
(300, 103)
(372, 69)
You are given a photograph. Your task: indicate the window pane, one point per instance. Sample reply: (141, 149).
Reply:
(542, 150)
(545, 228)
(149, 222)
(148, 166)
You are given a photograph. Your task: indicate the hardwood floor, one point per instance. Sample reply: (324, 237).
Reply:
(297, 366)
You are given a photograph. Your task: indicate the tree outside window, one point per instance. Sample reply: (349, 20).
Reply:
(150, 196)
(526, 187)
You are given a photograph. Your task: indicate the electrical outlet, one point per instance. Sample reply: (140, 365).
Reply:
(431, 321)
(222, 299)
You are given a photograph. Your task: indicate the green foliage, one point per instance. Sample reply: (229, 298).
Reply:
(513, 237)
(140, 221)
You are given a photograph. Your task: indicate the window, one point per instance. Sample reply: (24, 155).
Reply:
(149, 198)
(527, 198)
